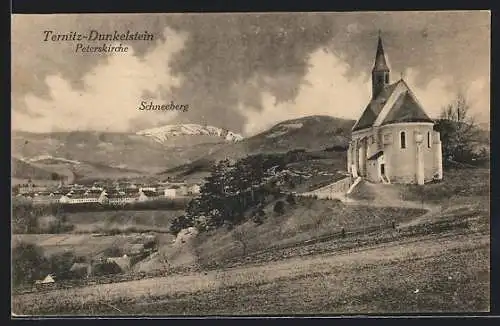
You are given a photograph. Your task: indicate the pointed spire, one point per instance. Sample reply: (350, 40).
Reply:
(380, 62)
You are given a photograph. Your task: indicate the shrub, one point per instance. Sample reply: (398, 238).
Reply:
(151, 244)
(80, 259)
(258, 220)
(336, 201)
(279, 208)
(28, 263)
(60, 264)
(179, 223)
(57, 227)
(106, 268)
(290, 199)
(113, 251)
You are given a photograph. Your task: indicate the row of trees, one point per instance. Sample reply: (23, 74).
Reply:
(233, 191)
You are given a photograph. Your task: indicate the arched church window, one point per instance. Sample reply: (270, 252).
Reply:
(387, 79)
(429, 139)
(403, 139)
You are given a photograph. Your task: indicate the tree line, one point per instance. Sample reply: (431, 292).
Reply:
(234, 192)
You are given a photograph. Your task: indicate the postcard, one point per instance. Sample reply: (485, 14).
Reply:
(257, 164)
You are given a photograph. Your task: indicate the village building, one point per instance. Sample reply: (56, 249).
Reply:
(146, 195)
(170, 192)
(30, 188)
(80, 196)
(49, 279)
(148, 188)
(115, 197)
(394, 141)
(45, 197)
(182, 190)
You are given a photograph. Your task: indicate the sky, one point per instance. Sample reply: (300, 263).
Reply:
(244, 72)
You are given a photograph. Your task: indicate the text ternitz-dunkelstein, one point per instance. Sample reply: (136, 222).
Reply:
(94, 35)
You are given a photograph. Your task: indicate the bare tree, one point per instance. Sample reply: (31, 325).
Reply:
(458, 129)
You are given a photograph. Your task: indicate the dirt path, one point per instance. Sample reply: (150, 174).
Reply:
(386, 195)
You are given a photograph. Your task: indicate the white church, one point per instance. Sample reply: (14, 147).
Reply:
(393, 141)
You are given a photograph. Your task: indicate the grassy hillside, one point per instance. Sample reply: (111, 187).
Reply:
(24, 170)
(307, 219)
(87, 171)
(309, 133)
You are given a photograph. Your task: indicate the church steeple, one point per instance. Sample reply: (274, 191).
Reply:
(380, 72)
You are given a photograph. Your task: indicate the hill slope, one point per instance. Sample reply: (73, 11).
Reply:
(24, 170)
(310, 133)
(313, 133)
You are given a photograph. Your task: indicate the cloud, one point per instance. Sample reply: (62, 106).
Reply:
(328, 91)
(434, 95)
(439, 92)
(110, 96)
(230, 63)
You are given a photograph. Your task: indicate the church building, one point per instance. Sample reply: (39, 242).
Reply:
(394, 141)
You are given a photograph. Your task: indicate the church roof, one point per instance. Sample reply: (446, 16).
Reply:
(374, 108)
(405, 108)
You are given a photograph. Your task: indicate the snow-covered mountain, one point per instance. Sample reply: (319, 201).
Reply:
(164, 133)
(50, 158)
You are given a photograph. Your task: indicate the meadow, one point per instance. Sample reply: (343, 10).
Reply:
(123, 221)
(299, 262)
(439, 274)
(84, 245)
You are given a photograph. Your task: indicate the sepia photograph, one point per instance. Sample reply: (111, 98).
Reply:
(250, 164)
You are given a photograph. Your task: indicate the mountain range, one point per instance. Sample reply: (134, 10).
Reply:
(187, 149)
(93, 154)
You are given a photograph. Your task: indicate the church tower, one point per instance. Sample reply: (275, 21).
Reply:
(380, 71)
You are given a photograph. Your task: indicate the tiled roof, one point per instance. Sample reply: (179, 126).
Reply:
(78, 191)
(406, 109)
(130, 191)
(94, 192)
(150, 193)
(374, 108)
(122, 196)
(81, 196)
